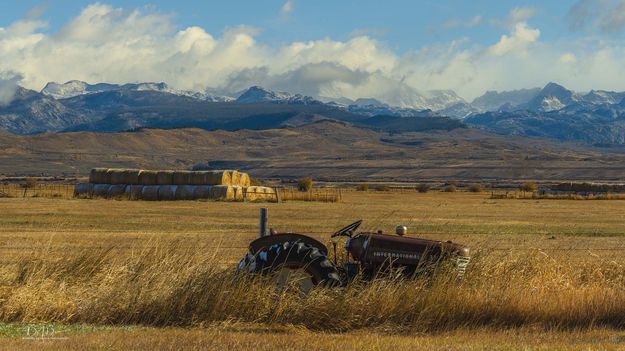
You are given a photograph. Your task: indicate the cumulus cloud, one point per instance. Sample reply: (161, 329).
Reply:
(608, 16)
(107, 44)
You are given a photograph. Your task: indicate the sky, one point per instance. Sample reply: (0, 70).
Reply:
(392, 50)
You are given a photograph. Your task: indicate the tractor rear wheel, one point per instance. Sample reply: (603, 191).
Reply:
(293, 260)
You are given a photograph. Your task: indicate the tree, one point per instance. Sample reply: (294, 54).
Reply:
(529, 187)
(305, 184)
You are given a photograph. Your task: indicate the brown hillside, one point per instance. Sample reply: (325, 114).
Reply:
(324, 150)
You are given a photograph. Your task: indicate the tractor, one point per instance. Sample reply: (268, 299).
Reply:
(293, 257)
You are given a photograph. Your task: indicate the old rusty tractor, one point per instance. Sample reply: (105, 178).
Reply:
(296, 257)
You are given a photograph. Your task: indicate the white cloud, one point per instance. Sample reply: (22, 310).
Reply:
(8, 86)
(517, 42)
(288, 7)
(106, 44)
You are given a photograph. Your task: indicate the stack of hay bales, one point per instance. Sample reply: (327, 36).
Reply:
(166, 185)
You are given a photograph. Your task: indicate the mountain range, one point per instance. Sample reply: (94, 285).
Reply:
(596, 117)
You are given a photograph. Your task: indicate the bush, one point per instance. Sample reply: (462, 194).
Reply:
(305, 184)
(423, 188)
(476, 188)
(255, 182)
(529, 187)
(363, 187)
(451, 188)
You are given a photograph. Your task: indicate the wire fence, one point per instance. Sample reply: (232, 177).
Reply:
(314, 194)
(65, 191)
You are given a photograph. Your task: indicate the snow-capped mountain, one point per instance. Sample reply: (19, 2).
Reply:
(76, 88)
(552, 97)
(258, 94)
(494, 100)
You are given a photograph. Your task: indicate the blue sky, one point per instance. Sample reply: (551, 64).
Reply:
(403, 25)
(391, 50)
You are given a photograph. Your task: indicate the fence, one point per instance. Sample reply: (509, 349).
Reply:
(315, 194)
(37, 190)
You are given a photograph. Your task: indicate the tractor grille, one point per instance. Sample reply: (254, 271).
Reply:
(462, 263)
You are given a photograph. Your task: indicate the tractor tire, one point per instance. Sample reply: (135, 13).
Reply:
(293, 255)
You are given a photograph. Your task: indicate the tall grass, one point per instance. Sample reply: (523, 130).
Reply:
(170, 284)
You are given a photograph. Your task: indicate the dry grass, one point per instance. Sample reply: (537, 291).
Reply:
(173, 284)
(171, 265)
(245, 336)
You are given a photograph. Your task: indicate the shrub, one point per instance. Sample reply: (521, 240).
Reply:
(305, 184)
(451, 188)
(255, 182)
(530, 187)
(382, 188)
(363, 187)
(476, 188)
(423, 188)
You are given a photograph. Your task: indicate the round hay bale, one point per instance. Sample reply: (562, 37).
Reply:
(150, 193)
(133, 192)
(202, 192)
(217, 178)
(165, 177)
(251, 193)
(185, 192)
(222, 192)
(182, 177)
(147, 177)
(167, 192)
(197, 178)
(101, 190)
(116, 191)
(244, 179)
(83, 190)
(124, 176)
(238, 192)
(235, 177)
(98, 176)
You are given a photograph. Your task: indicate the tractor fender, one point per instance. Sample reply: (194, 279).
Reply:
(266, 241)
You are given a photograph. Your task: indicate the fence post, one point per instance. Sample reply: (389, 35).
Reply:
(264, 214)
(277, 191)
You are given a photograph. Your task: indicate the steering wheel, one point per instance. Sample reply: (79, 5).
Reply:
(347, 231)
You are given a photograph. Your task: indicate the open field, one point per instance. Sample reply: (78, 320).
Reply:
(547, 274)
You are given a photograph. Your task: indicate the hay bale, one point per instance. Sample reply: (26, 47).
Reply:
(182, 178)
(124, 176)
(101, 190)
(147, 177)
(251, 193)
(98, 176)
(165, 177)
(216, 178)
(150, 193)
(133, 192)
(202, 192)
(222, 192)
(197, 178)
(238, 192)
(167, 192)
(185, 192)
(235, 177)
(244, 179)
(116, 191)
(83, 190)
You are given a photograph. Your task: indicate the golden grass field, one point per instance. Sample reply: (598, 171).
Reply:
(545, 274)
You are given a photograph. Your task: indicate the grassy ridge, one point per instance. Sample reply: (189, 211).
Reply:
(171, 284)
